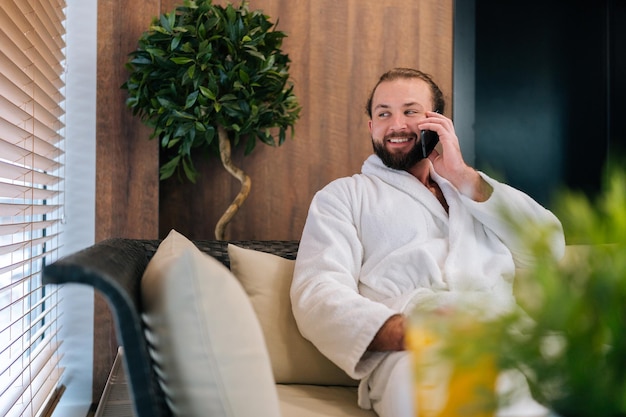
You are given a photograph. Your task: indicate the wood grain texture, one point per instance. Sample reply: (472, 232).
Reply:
(338, 50)
(126, 162)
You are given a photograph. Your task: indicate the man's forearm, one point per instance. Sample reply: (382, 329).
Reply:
(390, 336)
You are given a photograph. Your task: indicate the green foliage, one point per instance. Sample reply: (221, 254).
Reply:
(205, 65)
(573, 348)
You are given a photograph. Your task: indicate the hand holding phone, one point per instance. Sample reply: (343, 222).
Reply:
(429, 140)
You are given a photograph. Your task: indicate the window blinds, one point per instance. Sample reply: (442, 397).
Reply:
(31, 199)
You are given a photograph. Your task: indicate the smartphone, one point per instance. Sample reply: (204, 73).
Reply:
(429, 139)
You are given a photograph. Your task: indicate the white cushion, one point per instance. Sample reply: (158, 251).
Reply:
(266, 279)
(206, 340)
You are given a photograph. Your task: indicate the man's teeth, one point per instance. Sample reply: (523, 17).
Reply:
(398, 140)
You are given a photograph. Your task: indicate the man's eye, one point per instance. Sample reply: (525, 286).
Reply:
(410, 112)
(383, 114)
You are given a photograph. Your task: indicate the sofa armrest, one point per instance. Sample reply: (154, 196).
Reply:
(114, 267)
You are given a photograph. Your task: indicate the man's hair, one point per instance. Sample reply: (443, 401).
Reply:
(407, 73)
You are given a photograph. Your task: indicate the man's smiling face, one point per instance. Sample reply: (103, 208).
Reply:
(397, 108)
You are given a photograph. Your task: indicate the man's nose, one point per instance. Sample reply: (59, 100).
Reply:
(398, 122)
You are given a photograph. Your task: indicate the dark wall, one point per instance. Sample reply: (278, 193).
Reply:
(617, 74)
(549, 92)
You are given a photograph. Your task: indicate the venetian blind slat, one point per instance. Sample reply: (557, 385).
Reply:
(11, 172)
(26, 158)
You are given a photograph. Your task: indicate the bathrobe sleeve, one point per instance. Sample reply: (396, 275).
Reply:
(326, 302)
(506, 210)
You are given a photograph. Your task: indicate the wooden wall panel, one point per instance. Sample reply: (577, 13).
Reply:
(127, 185)
(338, 51)
(126, 162)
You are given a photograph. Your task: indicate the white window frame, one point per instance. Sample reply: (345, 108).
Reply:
(77, 302)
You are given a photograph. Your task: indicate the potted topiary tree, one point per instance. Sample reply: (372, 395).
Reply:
(208, 78)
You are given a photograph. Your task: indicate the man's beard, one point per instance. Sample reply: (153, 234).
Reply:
(400, 161)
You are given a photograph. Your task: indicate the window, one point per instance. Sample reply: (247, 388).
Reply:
(32, 71)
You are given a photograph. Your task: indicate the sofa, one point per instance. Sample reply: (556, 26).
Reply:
(207, 330)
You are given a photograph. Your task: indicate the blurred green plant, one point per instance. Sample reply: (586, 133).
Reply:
(206, 77)
(571, 342)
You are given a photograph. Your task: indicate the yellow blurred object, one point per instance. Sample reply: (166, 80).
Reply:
(453, 376)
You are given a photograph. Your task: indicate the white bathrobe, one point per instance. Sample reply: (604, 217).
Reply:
(377, 243)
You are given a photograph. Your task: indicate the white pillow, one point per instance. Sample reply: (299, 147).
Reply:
(266, 279)
(206, 341)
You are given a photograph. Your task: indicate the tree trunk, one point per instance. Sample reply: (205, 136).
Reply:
(246, 183)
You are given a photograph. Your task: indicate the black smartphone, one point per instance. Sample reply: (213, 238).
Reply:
(429, 139)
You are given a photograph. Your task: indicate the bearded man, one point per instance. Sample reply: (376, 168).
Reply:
(416, 227)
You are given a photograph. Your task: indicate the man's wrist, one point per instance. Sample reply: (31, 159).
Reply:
(473, 185)
(390, 336)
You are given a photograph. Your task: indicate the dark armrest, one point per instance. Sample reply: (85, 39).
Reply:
(114, 267)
